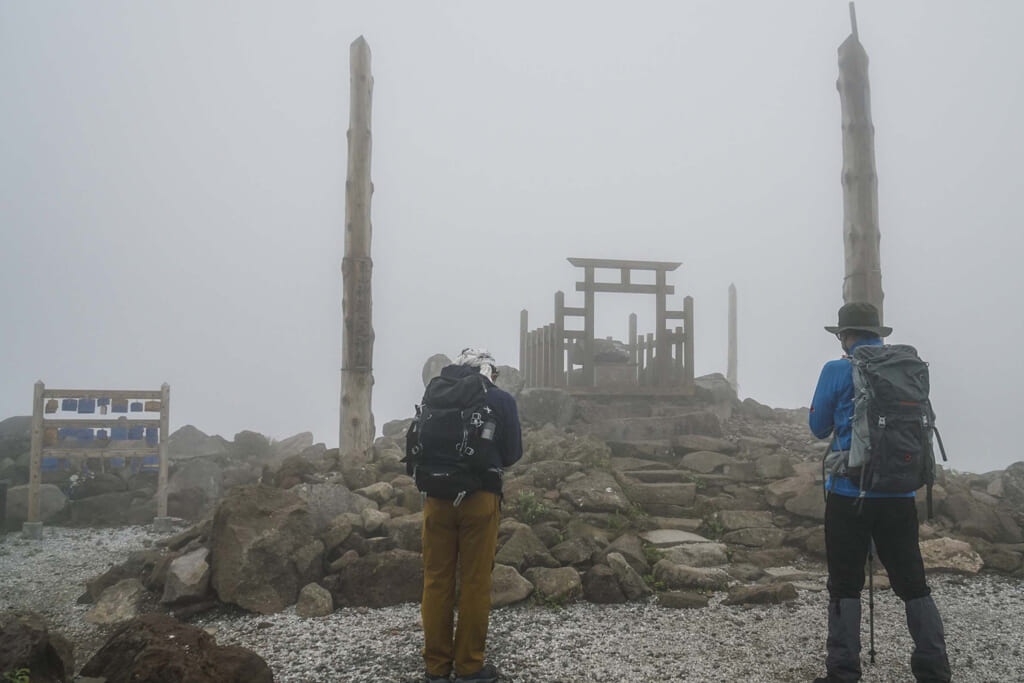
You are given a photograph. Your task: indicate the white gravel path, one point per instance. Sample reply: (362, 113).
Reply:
(984, 618)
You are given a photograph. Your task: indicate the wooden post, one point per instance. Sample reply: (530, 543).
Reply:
(33, 527)
(730, 373)
(535, 357)
(661, 359)
(161, 482)
(524, 329)
(633, 348)
(589, 371)
(678, 342)
(357, 427)
(650, 371)
(558, 367)
(688, 324)
(861, 237)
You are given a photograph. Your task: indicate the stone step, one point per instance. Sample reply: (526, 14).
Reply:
(655, 428)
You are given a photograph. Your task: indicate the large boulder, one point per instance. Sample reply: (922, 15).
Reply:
(523, 550)
(105, 509)
(633, 587)
(314, 601)
(388, 578)
(600, 586)
(705, 462)
(193, 486)
(52, 502)
(190, 442)
(188, 578)
(809, 503)
(293, 445)
(406, 531)
(692, 443)
(156, 647)
(555, 585)
(595, 492)
(676, 576)
(117, 604)
(655, 428)
(540, 406)
(664, 493)
(98, 483)
(698, 554)
(508, 586)
(327, 500)
(950, 555)
(26, 642)
(778, 492)
(255, 539)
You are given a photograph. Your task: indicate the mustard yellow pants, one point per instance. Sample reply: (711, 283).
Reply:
(463, 537)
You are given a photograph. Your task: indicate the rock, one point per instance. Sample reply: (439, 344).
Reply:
(388, 578)
(809, 503)
(731, 520)
(548, 474)
(314, 601)
(105, 509)
(754, 447)
(251, 446)
(203, 477)
(328, 500)
(698, 554)
(678, 523)
(540, 406)
(373, 520)
(705, 462)
(294, 471)
(188, 578)
(632, 549)
(950, 555)
(665, 538)
(691, 443)
(756, 538)
(138, 566)
(156, 647)
(778, 492)
(511, 380)
(189, 442)
(667, 493)
(26, 642)
(524, 550)
(432, 368)
(508, 586)
(574, 551)
(773, 466)
(654, 428)
(560, 585)
(380, 492)
(117, 604)
(97, 483)
(676, 576)
(338, 531)
(309, 562)
(257, 531)
(52, 502)
(632, 585)
(293, 445)
(769, 594)
(406, 531)
(601, 587)
(682, 600)
(640, 453)
(595, 492)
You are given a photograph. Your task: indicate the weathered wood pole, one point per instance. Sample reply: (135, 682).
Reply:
(35, 463)
(863, 277)
(161, 481)
(357, 428)
(524, 330)
(559, 340)
(730, 373)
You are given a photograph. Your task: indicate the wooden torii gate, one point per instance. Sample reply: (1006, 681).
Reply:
(542, 351)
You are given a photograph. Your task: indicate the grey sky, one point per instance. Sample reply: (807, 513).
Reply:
(172, 192)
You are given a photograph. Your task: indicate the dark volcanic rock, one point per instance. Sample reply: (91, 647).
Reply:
(379, 580)
(27, 643)
(157, 648)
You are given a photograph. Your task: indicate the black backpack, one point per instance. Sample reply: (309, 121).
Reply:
(893, 422)
(448, 446)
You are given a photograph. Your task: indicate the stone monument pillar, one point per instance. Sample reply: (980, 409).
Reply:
(357, 428)
(731, 370)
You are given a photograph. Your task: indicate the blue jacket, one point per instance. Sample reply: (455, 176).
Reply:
(508, 437)
(832, 412)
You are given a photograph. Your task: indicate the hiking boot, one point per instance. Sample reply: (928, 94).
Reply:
(436, 678)
(488, 674)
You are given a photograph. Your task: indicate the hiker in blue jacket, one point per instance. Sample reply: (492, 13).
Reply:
(852, 522)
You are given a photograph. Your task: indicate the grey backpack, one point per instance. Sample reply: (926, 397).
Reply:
(893, 422)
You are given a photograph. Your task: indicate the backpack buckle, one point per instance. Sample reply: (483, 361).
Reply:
(881, 421)
(458, 498)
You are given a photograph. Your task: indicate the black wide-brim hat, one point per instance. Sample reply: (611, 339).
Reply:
(859, 316)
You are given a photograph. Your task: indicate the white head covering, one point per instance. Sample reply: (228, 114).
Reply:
(477, 358)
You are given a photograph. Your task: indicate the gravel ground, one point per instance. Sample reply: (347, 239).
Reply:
(984, 618)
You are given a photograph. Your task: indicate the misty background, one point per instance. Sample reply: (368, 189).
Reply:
(172, 193)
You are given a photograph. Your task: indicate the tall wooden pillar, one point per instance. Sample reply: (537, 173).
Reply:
(589, 370)
(36, 454)
(357, 428)
(861, 237)
(730, 373)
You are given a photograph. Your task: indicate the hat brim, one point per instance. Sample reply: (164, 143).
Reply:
(880, 331)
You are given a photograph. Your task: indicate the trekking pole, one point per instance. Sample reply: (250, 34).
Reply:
(871, 598)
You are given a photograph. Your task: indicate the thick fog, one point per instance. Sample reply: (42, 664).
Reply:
(172, 192)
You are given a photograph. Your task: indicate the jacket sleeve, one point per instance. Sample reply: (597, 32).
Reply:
(823, 406)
